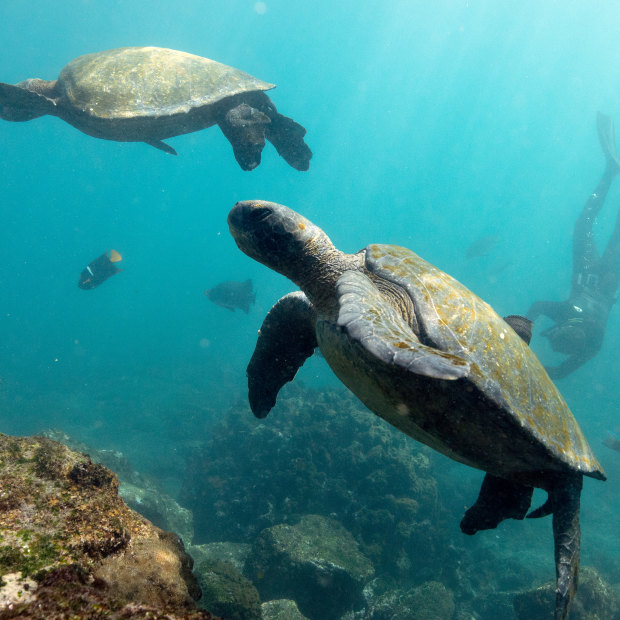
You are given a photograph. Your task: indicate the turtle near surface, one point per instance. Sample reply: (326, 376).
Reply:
(430, 357)
(148, 94)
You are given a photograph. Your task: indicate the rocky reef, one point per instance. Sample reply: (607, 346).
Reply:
(319, 452)
(595, 600)
(227, 592)
(272, 486)
(316, 562)
(141, 492)
(322, 511)
(70, 546)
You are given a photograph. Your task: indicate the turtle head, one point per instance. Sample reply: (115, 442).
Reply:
(27, 100)
(279, 238)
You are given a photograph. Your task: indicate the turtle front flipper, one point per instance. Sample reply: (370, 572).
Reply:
(19, 103)
(499, 499)
(370, 320)
(285, 341)
(244, 127)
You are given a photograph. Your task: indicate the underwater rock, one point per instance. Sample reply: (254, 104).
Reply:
(428, 601)
(317, 563)
(72, 544)
(281, 609)
(140, 492)
(233, 553)
(595, 599)
(227, 592)
(496, 605)
(321, 452)
(159, 508)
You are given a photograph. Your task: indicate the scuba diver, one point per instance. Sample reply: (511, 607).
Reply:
(580, 320)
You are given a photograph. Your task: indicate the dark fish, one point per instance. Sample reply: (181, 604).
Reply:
(100, 270)
(481, 246)
(233, 295)
(612, 441)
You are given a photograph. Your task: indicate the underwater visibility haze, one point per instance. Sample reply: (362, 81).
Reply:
(464, 130)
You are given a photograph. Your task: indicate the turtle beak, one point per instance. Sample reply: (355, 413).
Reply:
(247, 214)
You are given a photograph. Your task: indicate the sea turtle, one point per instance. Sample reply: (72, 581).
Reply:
(147, 94)
(431, 358)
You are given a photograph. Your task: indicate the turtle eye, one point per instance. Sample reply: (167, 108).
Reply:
(258, 215)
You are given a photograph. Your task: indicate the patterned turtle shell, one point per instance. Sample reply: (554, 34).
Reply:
(498, 372)
(134, 82)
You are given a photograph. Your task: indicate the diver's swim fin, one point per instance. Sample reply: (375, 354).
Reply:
(607, 137)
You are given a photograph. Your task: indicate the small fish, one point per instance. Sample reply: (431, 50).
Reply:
(233, 295)
(612, 441)
(100, 269)
(482, 246)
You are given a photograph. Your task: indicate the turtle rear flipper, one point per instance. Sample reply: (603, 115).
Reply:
(371, 321)
(162, 146)
(285, 341)
(18, 103)
(288, 138)
(244, 127)
(499, 499)
(565, 498)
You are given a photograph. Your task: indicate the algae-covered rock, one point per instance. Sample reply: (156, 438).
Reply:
(429, 601)
(140, 492)
(319, 452)
(64, 528)
(317, 563)
(233, 553)
(159, 508)
(595, 599)
(227, 592)
(281, 609)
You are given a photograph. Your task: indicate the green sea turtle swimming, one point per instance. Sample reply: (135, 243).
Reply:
(147, 94)
(430, 357)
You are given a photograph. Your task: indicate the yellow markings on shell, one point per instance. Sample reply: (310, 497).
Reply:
(499, 357)
(302, 225)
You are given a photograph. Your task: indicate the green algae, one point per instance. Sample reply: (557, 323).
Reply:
(36, 552)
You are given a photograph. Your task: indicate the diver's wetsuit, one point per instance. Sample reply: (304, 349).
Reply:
(594, 284)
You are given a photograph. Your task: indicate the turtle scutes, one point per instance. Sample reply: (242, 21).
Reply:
(148, 94)
(431, 358)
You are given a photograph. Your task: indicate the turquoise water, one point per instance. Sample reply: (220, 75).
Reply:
(432, 125)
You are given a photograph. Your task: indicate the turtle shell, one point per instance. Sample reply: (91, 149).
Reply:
(504, 378)
(134, 82)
